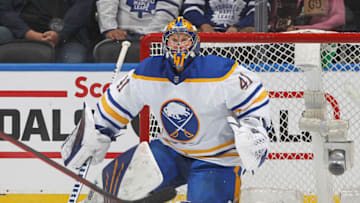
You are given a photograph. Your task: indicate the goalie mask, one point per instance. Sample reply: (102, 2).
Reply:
(180, 42)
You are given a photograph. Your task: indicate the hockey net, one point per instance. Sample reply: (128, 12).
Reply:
(288, 175)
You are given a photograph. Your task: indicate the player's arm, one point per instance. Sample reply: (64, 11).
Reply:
(194, 11)
(120, 103)
(246, 22)
(107, 13)
(94, 133)
(249, 103)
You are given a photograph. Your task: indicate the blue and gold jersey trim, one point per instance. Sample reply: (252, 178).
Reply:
(190, 80)
(256, 100)
(261, 97)
(214, 152)
(113, 112)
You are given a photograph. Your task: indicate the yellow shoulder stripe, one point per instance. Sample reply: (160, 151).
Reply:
(159, 79)
(110, 111)
(142, 77)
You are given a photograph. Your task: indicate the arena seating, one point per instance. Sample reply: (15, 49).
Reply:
(26, 51)
(107, 51)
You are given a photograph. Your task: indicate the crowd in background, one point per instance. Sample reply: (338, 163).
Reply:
(74, 28)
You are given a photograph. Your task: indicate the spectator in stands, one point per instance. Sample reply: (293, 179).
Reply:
(352, 15)
(131, 20)
(5, 34)
(62, 23)
(124, 19)
(221, 16)
(289, 15)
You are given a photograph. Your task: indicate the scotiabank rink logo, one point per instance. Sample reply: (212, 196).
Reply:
(85, 88)
(49, 114)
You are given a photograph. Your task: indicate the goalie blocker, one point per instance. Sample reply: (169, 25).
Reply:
(85, 142)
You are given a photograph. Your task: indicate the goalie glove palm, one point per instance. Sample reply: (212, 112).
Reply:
(84, 142)
(251, 141)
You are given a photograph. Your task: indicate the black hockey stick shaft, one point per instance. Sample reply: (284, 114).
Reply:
(162, 195)
(59, 167)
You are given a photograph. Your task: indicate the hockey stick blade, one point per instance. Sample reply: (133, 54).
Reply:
(156, 197)
(159, 196)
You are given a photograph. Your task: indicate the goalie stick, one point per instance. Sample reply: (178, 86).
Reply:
(158, 196)
(78, 186)
(75, 193)
(124, 47)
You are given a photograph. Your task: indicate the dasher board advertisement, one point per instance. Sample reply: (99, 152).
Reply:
(39, 106)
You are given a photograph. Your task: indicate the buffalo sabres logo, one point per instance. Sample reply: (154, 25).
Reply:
(179, 120)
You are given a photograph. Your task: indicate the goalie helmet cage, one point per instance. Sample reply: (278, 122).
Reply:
(289, 172)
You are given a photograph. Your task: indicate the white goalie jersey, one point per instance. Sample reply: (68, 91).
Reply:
(191, 107)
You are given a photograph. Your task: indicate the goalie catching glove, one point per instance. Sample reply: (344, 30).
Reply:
(85, 142)
(251, 141)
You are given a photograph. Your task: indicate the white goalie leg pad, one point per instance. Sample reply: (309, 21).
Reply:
(142, 176)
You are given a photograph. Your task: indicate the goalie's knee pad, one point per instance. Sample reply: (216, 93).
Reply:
(133, 174)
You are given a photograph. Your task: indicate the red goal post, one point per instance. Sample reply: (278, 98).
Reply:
(290, 166)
